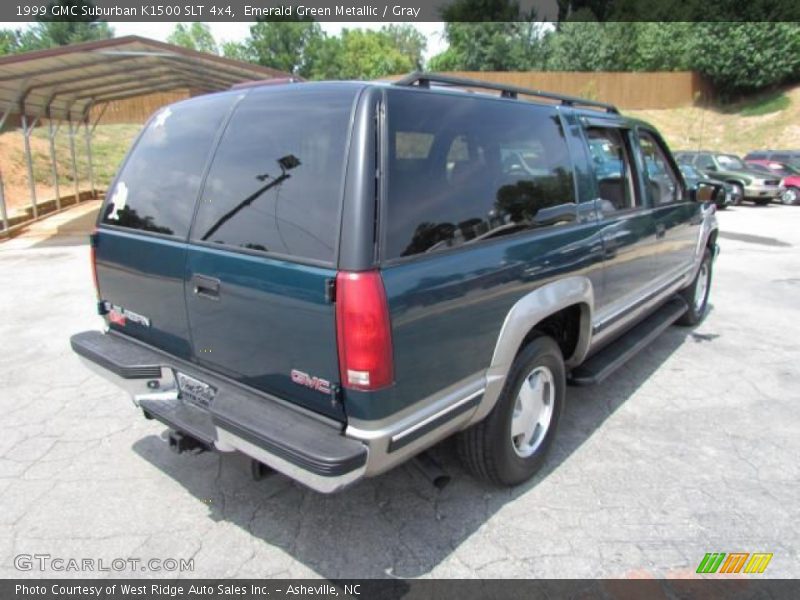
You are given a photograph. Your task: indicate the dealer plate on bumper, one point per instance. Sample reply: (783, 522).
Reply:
(195, 391)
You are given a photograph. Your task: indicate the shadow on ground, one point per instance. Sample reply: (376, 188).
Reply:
(397, 524)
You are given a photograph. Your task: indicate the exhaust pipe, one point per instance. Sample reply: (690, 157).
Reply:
(432, 470)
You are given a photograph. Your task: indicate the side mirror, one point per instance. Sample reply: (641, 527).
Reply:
(705, 191)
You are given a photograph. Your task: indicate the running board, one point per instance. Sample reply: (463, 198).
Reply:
(616, 354)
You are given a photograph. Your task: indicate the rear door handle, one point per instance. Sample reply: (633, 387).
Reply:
(206, 287)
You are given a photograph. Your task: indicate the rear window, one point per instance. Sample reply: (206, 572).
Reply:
(157, 188)
(462, 170)
(275, 183)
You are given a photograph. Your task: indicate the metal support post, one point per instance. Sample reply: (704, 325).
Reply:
(3, 211)
(29, 161)
(88, 135)
(72, 133)
(52, 131)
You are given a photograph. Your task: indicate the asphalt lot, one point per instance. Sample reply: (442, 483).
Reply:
(691, 448)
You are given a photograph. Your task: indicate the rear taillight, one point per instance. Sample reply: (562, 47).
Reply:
(363, 331)
(93, 259)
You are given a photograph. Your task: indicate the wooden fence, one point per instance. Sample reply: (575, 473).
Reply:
(137, 110)
(625, 90)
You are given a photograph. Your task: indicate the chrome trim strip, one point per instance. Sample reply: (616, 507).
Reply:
(434, 417)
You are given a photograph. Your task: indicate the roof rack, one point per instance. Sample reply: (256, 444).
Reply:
(424, 80)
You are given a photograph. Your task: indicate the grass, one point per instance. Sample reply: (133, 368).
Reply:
(765, 105)
(109, 145)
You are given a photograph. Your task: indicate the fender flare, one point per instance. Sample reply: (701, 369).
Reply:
(523, 316)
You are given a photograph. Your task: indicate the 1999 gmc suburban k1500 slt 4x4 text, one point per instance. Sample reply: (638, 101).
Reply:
(332, 277)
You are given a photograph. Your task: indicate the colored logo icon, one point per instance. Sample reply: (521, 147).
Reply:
(735, 562)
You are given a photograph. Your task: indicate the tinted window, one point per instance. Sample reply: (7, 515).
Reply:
(158, 185)
(704, 161)
(612, 168)
(662, 182)
(275, 184)
(489, 168)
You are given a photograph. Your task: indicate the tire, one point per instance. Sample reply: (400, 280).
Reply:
(790, 195)
(696, 294)
(488, 449)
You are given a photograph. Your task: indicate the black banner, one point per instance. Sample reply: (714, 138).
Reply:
(744, 588)
(400, 10)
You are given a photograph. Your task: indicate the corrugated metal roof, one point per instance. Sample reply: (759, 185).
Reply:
(65, 82)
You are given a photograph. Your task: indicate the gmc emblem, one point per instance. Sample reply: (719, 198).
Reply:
(315, 383)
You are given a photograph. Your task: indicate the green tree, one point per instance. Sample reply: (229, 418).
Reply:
(489, 35)
(365, 54)
(282, 44)
(196, 36)
(51, 31)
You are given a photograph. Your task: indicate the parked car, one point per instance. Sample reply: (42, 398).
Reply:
(750, 184)
(790, 178)
(332, 277)
(694, 179)
(789, 157)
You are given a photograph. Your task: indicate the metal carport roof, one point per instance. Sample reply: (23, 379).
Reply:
(63, 84)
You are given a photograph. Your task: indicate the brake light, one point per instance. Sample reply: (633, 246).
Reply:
(93, 259)
(363, 331)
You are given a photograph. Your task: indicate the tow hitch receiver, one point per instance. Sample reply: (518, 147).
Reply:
(180, 443)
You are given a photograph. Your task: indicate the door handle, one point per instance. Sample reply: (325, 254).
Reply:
(661, 230)
(206, 287)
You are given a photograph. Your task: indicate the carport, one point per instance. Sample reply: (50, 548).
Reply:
(71, 86)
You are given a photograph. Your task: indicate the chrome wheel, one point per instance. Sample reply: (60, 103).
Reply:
(789, 196)
(533, 411)
(701, 288)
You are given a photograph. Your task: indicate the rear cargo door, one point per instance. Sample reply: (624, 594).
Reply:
(263, 245)
(140, 244)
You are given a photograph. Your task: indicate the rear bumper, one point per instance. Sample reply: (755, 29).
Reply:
(310, 449)
(762, 191)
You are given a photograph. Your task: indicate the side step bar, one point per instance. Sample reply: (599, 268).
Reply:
(613, 356)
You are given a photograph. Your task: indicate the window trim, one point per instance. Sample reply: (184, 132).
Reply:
(635, 179)
(383, 180)
(671, 164)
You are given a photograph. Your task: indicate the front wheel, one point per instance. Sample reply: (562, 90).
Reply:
(790, 195)
(696, 295)
(510, 445)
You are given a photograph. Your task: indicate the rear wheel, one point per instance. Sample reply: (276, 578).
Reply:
(696, 295)
(509, 446)
(790, 195)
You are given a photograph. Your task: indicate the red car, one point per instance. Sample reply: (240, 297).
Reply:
(790, 181)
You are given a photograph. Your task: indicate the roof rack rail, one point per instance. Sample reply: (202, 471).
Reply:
(424, 80)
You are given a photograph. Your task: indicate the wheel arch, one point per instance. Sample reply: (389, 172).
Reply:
(536, 313)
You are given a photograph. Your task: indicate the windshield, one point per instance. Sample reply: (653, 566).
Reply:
(689, 171)
(729, 161)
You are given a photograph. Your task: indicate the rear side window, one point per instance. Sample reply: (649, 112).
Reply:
(157, 188)
(479, 169)
(275, 184)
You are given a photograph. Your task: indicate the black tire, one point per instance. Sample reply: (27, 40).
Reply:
(486, 449)
(790, 196)
(697, 311)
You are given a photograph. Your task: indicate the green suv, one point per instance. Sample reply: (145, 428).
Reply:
(747, 183)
